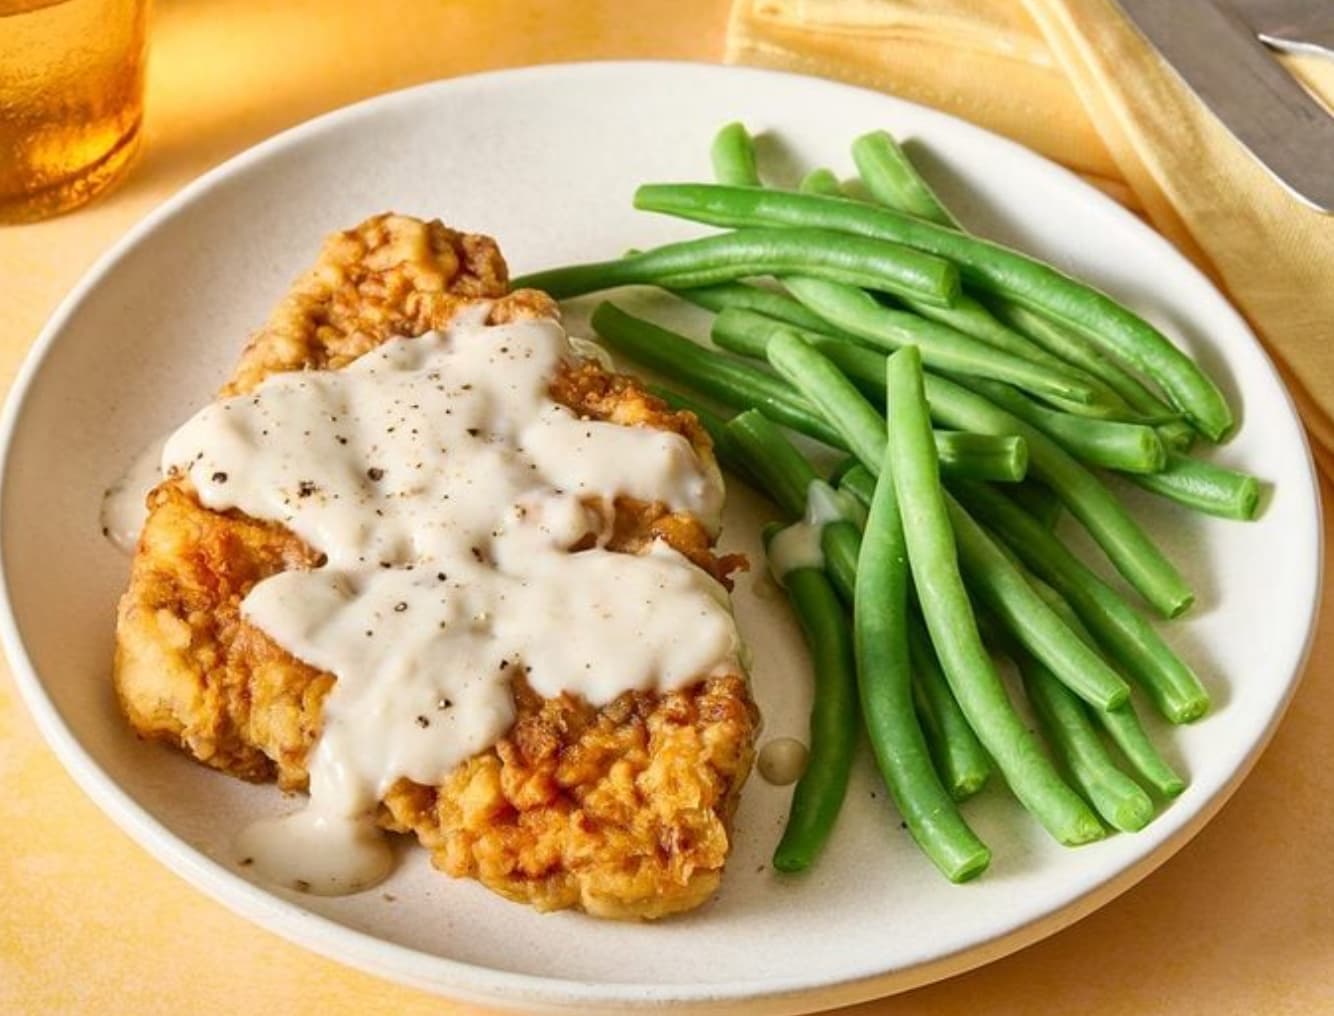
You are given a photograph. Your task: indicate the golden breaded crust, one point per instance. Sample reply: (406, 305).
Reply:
(622, 811)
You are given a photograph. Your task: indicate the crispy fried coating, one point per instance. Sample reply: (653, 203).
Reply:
(622, 811)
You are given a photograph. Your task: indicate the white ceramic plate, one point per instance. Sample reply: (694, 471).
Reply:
(546, 160)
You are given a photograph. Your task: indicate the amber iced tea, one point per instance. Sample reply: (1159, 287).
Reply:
(71, 100)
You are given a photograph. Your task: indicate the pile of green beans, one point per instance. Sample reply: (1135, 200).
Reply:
(978, 395)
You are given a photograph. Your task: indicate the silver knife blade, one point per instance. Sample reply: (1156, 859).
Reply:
(1266, 109)
(1293, 26)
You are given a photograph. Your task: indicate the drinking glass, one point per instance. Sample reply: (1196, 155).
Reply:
(71, 100)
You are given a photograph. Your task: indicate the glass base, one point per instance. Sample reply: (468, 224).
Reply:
(76, 190)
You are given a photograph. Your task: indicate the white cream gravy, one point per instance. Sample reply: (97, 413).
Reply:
(798, 545)
(446, 490)
(124, 505)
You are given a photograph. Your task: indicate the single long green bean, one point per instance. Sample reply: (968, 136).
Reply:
(840, 546)
(1112, 444)
(857, 260)
(885, 685)
(784, 473)
(857, 313)
(833, 731)
(1127, 733)
(1119, 628)
(733, 156)
(1116, 797)
(960, 758)
(987, 266)
(949, 616)
(1214, 490)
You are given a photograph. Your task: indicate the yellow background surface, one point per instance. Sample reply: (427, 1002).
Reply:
(1241, 921)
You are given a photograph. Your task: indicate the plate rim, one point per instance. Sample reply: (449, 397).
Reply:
(488, 985)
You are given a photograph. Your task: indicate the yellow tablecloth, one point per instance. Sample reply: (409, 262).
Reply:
(1241, 921)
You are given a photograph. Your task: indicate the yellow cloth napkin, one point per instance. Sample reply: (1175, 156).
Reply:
(1074, 80)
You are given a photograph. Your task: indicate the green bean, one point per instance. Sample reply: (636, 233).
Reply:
(1001, 458)
(893, 180)
(733, 156)
(999, 584)
(856, 312)
(833, 731)
(1121, 723)
(1123, 726)
(734, 382)
(978, 456)
(1126, 635)
(821, 181)
(1038, 501)
(840, 546)
(747, 296)
(747, 333)
(1205, 487)
(858, 482)
(971, 318)
(855, 420)
(949, 617)
(786, 476)
(723, 257)
(960, 758)
(1129, 447)
(841, 469)
(985, 265)
(1125, 544)
(885, 686)
(738, 384)
(782, 471)
(1072, 348)
(1116, 797)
